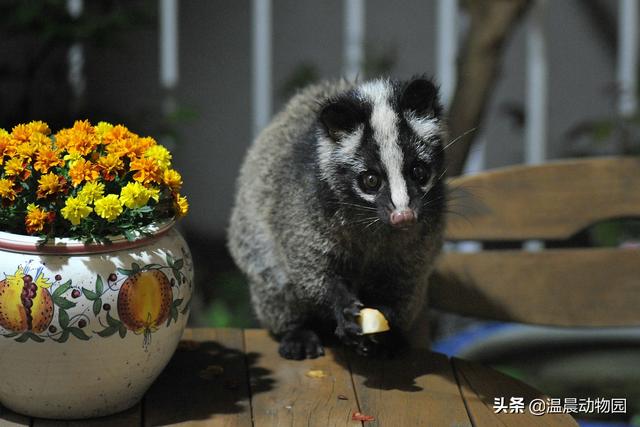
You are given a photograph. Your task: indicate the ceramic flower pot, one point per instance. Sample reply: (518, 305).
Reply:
(86, 329)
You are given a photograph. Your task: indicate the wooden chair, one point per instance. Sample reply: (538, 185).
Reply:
(559, 287)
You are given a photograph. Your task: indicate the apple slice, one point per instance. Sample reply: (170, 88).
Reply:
(372, 321)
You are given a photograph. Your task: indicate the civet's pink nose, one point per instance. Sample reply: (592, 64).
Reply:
(403, 218)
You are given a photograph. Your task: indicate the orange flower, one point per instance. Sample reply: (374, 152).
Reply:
(7, 145)
(49, 185)
(82, 170)
(7, 190)
(35, 219)
(117, 133)
(21, 133)
(46, 159)
(110, 165)
(147, 170)
(80, 139)
(17, 167)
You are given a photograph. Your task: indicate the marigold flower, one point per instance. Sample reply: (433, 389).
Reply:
(134, 195)
(40, 127)
(82, 170)
(172, 179)
(116, 133)
(17, 167)
(91, 192)
(160, 154)
(147, 170)
(80, 139)
(46, 159)
(181, 205)
(21, 133)
(75, 209)
(35, 219)
(6, 189)
(102, 128)
(49, 185)
(154, 193)
(109, 207)
(110, 165)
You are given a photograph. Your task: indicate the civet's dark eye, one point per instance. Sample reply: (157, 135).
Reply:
(420, 173)
(370, 181)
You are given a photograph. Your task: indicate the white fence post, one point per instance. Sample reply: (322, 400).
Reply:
(536, 104)
(354, 24)
(75, 58)
(261, 53)
(627, 67)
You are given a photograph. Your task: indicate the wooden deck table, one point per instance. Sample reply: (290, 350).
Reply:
(234, 377)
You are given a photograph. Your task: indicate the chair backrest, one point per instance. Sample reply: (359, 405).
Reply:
(553, 201)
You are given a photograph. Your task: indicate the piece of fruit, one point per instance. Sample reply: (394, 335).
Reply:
(372, 321)
(144, 301)
(25, 302)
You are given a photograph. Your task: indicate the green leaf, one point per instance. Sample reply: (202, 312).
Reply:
(170, 260)
(62, 289)
(113, 322)
(29, 335)
(78, 333)
(135, 267)
(63, 319)
(97, 306)
(99, 285)
(177, 302)
(11, 335)
(186, 307)
(129, 235)
(125, 271)
(178, 264)
(108, 331)
(63, 303)
(89, 294)
(64, 337)
(123, 331)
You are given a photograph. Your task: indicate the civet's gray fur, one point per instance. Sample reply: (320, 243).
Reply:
(315, 244)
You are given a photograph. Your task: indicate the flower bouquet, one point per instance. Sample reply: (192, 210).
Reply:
(85, 182)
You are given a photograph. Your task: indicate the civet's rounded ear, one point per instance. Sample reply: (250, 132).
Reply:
(421, 97)
(340, 117)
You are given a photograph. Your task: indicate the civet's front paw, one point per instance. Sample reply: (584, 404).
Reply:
(348, 329)
(300, 344)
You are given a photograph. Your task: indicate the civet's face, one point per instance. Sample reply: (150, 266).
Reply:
(381, 151)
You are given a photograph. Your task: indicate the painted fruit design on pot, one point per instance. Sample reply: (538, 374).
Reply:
(25, 302)
(144, 301)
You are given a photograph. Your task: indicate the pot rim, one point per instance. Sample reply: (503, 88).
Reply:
(67, 246)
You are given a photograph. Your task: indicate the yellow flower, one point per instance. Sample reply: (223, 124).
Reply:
(35, 219)
(134, 195)
(6, 189)
(172, 179)
(48, 185)
(16, 167)
(109, 207)
(91, 192)
(154, 193)
(160, 154)
(75, 210)
(82, 170)
(102, 128)
(116, 133)
(147, 170)
(46, 159)
(181, 205)
(40, 127)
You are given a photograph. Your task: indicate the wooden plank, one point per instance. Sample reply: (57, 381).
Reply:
(585, 287)
(283, 394)
(11, 419)
(205, 384)
(417, 388)
(131, 417)
(481, 385)
(550, 201)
